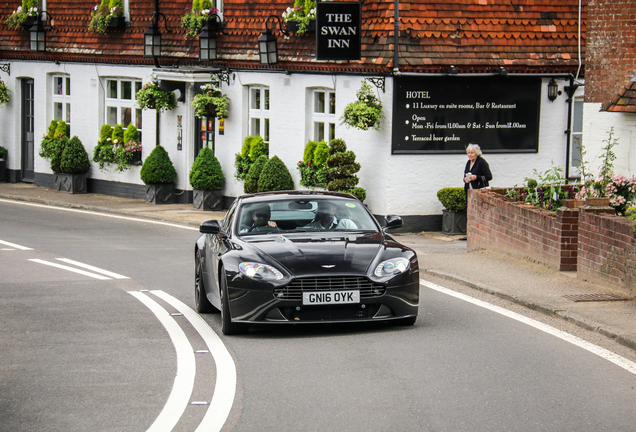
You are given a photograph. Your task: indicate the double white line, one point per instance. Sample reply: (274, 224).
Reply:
(95, 272)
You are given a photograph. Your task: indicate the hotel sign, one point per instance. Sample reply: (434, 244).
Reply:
(338, 26)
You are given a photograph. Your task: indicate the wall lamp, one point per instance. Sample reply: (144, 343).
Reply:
(553, 90)
(37, 34)
(207, 41)
(451, 70)
(152, 36)
(267, 44)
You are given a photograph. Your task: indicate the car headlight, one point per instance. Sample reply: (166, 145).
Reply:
(391, 267)
(259, 271)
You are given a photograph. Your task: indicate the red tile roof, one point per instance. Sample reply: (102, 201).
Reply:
(473, 35)
(625, 101)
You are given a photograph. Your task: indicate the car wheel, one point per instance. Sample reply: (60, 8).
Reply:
(227, 326)
(201, 301)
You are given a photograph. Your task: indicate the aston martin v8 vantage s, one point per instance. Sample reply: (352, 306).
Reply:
(303, 257)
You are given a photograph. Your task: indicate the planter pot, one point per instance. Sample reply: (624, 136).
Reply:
(136, 160)
(117, 23)
(69, 183)
(160, 193)
(453, 223)
(210, 111)
(207, 200)
(3, 170)
(29, 22)
(294, 25)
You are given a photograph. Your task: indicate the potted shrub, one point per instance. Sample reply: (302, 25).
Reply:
(152, 96)
(196, 16)
(25, 15)
(4, 93)
(454, 214)
(70, 164)
(364, 113)
(207, 180)
(158, 173)
(108, 14)
(275, 176)
(212, 102)
(251, 180)
(3, 164)
(301, 18)
(342, 170)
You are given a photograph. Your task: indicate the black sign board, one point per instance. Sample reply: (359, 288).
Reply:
(338, 26)
(445, 114)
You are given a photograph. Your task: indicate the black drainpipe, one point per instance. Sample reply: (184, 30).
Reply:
(569, 90)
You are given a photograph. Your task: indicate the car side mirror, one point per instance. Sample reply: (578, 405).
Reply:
(393, 221)
(211, 226)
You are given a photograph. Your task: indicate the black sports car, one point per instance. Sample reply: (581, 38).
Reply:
(303, 257)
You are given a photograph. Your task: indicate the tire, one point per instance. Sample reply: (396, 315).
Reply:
(201, 301)
(227, 326)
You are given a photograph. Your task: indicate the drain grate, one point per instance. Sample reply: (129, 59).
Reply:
(594, 297)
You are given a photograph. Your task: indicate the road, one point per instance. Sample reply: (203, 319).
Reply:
(84, 353)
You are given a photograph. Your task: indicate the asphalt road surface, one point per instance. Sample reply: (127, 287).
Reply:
(98, 334)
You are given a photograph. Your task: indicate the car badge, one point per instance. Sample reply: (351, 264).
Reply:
(328, 266)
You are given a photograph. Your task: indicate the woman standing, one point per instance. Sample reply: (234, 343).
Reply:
(477, 171)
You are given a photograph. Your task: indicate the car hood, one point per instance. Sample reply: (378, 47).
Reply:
(311, 255)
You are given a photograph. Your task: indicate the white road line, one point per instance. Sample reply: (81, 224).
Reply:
(71, 269)
(225, 388)
(186, 367)
(93, 268)
(601, 352)
(15, 246)
(110, 215)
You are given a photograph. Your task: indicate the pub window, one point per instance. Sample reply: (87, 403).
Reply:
(323, 116)
(259, 112)
(121, 106)
(61, 98)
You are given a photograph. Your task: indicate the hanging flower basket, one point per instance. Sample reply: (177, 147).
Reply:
(117, 22)
(296, 26)
(212, 102)
(152, 96)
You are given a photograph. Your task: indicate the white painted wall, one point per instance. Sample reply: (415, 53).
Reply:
(397, 184)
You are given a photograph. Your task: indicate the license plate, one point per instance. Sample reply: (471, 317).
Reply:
(331, 297)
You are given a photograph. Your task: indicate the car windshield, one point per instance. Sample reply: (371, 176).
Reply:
(304, 215)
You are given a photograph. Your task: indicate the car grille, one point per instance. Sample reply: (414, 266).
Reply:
(294, 291)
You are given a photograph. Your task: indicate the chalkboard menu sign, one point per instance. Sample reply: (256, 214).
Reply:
(338, 30)
(445, 114)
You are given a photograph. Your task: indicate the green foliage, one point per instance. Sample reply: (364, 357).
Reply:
(211, 98)
(304, 11)
(245, 150)
(253, 148)
(452, 198)
(359, 193)
(321, 154)
(152, 96)
(74, 159)
(62, 130)
(547, 191)
(308, 155)
(106, 132)
(103, 13)
(364, 113)
(29, 8)
(206, 172)
(118, 134)
(103, 152)
(258, 148)
(3, 152)
(52, 128)
(194, 19)
(55, 150)
(4, 93)
(131, 133)
(251, 180)
(242, 165)
(275, 176)
(158, 167)
(342, 169)
(116, 7)
(45, 145)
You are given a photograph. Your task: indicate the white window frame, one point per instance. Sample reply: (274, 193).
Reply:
(119, 104)
(258, 112)
(61, 99)
(576, 137)
(323, 114)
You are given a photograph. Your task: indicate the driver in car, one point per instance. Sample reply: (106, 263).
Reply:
(261, 222)
(326, 218)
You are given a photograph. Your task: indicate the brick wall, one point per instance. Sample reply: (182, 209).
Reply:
(609, 51)
(522, 230)
(607, 249)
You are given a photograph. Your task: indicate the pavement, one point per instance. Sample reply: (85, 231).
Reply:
(441, 256)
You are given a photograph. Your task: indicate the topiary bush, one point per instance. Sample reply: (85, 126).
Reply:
(342, 169)
(321, 154)
(56, 148)
(47, 141)
(253, 148)
(251, 180)
(310, 148)
(62, 130)
(206, 173)
(275, 176)
(453, 198)
(158, 167)
(74, 158)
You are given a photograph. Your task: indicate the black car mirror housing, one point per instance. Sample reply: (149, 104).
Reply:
(393, 221)
(210, 227)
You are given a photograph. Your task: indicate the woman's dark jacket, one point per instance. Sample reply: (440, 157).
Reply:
(481, 170)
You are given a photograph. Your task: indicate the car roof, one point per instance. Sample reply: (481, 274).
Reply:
(295, 194)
